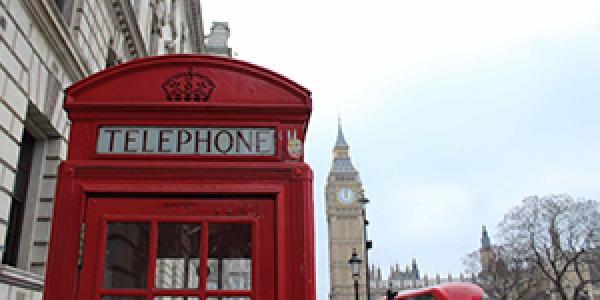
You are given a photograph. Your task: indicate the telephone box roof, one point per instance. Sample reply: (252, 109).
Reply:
(144, 81)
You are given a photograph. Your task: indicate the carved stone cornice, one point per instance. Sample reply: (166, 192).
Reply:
(128, 24)
(21, 278)
(49, 19)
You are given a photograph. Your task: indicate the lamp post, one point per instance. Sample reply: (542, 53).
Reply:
(368, 244)
(389, 293)
(354, 263)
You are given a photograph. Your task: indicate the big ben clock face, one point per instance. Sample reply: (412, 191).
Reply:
(345, 196)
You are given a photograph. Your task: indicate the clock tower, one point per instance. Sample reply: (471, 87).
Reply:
(344, 221)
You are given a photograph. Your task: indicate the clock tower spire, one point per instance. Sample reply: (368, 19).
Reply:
(341, 156)
(344, 220)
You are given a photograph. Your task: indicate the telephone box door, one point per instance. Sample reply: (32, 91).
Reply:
(178, 249)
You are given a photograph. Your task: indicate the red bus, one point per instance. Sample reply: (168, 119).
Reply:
(447, 291)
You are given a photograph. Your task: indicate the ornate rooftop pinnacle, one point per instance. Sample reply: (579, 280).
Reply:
(340, 142)
(341, 157)
(485, 239)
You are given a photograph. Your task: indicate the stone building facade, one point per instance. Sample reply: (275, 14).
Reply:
(46, 45)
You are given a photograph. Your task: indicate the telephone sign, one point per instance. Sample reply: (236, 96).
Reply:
(177, 140)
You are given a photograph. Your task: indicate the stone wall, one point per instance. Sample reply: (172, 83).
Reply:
(46, 45)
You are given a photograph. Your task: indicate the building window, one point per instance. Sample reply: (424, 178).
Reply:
(136, 8)
(65, 7)
(60, 4)
(17, 208)
(111, 58)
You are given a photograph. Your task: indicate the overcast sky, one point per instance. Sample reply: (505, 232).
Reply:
(454, 110)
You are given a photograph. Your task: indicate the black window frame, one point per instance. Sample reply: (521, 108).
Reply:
(19, 200)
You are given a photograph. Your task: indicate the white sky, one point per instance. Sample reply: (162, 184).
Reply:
(454, 110)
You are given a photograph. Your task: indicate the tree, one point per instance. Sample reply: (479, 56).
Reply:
(502, 276)
(558, 236)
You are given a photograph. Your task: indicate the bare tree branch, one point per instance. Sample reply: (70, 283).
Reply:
(546, 244)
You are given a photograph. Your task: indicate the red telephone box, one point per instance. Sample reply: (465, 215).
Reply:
(184, 180)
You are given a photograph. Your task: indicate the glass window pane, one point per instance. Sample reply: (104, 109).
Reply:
(229, 257)
(228, 298)
(178, 256)
(176, 298)
(126, 255)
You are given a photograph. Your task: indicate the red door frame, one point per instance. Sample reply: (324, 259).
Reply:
(245, 96)
(102, 210)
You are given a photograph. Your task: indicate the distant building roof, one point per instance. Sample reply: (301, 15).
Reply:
(342, 165)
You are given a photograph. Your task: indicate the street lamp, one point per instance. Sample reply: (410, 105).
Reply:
(368, 244)
(354, 263)
(389, 293)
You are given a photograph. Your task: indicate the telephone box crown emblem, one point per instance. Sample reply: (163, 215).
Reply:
(189, 86)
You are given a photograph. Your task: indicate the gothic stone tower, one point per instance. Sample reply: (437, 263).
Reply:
(345, 222)
(486, 255)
